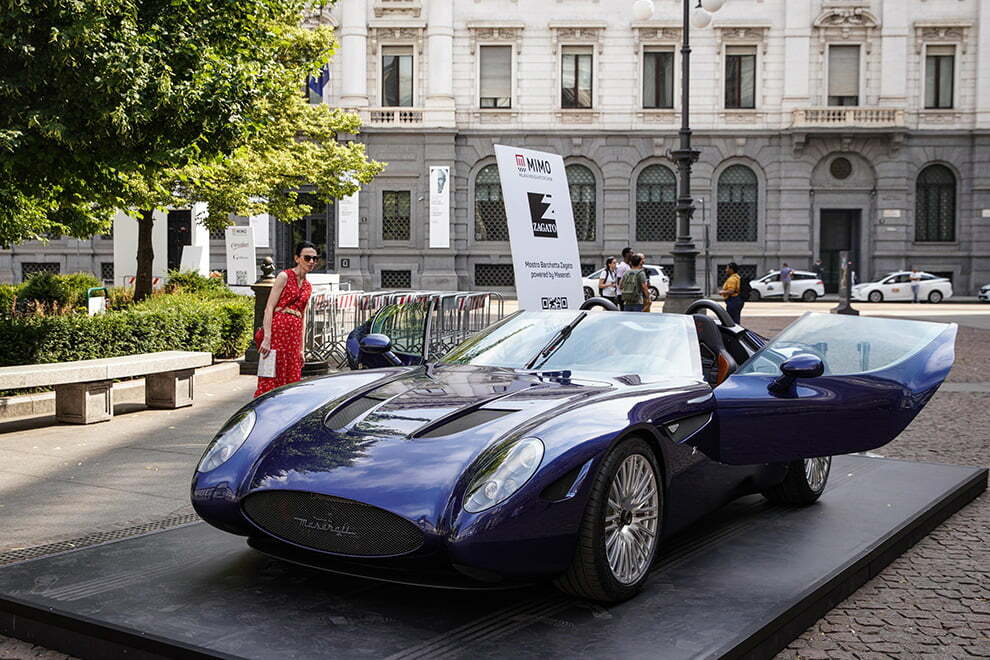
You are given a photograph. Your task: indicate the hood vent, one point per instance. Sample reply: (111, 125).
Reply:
(462, 423)
(341, 417)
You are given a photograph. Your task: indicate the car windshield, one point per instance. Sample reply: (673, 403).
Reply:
(845, 344)
(609, 343)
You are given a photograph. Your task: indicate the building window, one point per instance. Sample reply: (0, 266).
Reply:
(576, 77)
(656, 201)
(496, 77)
(658, 79)
(940, 68)
(397, 76)
(106, 272)
(737, 205)
(740, 77)
(935, 204)
(500, 275)
(396, 279)
(396, 207)
(581, 182)
(29, 268)
(843, 75)
(489, 211)
(746, 272)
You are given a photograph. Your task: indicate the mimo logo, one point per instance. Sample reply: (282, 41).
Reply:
(537, 165)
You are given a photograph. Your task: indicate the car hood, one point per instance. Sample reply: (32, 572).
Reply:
(403, 442)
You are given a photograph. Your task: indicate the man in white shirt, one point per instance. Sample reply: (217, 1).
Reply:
(623, 267)
(915, 280)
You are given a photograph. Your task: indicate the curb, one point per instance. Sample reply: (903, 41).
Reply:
(129, 391)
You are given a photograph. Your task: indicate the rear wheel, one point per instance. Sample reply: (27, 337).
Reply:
(804, 483)
(754, 295)
(654, 294)
(618, 537)
(588, 293)
(809, 295)
(875, 296)
(935, 297)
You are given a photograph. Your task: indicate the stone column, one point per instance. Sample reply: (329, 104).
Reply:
(440, 60)
(797, 53)
(982, 52)
(896, 51)
(353, 36)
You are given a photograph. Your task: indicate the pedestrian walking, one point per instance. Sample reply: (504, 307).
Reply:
(608, 283)
(284, 324)
(915, 279)
(819, 270)
(730, 292)
(786, 275)
(635, 286)
(623, 268)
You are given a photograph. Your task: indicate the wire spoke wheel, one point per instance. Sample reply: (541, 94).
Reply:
(816, 472)
(631, 517)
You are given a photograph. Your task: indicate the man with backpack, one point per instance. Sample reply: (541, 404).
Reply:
(735, 291)
(635, 286)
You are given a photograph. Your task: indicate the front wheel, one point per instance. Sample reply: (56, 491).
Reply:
(754, 296)
(804, 483)
(654, 294)
(875, 296)
(588, 293)
(618, 537)
(809, 296)
(935, 297)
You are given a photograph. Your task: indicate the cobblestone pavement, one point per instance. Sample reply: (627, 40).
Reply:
(933, 601)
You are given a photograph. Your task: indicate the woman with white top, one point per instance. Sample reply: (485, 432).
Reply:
(608, 282)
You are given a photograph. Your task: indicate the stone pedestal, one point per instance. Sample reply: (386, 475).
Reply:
(84, 403)
(169, 390)
(261, 290)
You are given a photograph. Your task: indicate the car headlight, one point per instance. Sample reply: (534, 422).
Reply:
(504, 475)
(227, 441)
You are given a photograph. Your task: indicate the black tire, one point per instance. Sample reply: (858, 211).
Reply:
(935, 297)
(810, 295)
(654, 294)
(590, 575)
(588, 293)
(875, 296)
(754, 296)
(795, 490)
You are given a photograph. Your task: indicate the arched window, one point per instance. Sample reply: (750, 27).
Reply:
(582, 184)
(489, 212)
(935, 205)
(656, 202)
(737, 205)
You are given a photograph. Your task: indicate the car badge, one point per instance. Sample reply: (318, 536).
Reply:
(323, 525)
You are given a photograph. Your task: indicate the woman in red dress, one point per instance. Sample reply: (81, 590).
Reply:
(284, 324)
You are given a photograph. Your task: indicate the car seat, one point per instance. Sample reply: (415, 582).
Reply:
(717, 363)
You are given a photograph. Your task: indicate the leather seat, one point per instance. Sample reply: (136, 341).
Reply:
(717, 362)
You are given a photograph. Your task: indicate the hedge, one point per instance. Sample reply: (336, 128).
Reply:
(220, 325)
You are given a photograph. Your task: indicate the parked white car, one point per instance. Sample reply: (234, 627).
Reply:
(659, 282)
(804, 285)
(984, 293)
(897, 286)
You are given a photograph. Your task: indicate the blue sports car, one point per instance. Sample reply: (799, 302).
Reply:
(559, 445)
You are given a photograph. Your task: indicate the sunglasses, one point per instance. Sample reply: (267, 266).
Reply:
(309, 257)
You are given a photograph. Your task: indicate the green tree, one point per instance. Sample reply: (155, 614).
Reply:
(145, 104)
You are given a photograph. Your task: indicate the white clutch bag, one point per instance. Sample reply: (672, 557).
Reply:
(266, 365)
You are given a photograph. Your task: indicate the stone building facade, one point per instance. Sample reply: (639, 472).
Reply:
(822, 125)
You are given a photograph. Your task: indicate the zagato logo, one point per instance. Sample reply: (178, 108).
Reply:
(532, 165)
(542, 214)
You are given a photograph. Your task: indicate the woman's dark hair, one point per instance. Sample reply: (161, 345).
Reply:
(733, 266)
(302, 245)
(608, 261)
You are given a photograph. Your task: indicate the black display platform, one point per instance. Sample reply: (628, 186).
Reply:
(742, 584)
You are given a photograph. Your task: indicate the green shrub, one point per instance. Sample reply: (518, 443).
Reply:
(192, 282)
(58, 291)
(119, 297)
(9, 295)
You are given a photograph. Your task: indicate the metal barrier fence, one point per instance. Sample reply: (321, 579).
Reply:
(444, 318)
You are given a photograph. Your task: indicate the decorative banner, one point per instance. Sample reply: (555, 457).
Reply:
(349, 212)
(260, 225)
(541, 229)
(440, 207)
(241, 262)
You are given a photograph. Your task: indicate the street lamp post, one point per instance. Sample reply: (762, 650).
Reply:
(684, 287)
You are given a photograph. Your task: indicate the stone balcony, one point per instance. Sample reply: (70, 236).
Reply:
(404, 117)
(848, 117)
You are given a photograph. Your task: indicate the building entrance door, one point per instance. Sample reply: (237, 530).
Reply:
(316, 228)
(179, 235)
(839, 231)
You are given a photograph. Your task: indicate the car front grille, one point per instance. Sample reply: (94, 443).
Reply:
(332, 524)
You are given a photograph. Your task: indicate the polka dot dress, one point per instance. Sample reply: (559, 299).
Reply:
(287, 336)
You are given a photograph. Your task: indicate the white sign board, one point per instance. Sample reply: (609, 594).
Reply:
(192, 260)
(440, 207)
(541, 229)
(241, 262)
(96, 305)
(259, 223)
(347, 220)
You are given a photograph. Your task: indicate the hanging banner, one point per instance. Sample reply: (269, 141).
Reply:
(541, 229)
(440, 207)
(241, 262)
(347, 221)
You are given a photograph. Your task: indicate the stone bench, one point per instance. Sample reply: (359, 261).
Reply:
(83, 388)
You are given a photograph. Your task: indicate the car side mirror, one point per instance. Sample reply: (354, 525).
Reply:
(379, 344)
(799, 366)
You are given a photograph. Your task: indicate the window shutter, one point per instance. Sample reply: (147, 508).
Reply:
(843, 71)
(496, 72)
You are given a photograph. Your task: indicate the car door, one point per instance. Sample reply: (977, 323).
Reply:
(773, 285)
(878, 374)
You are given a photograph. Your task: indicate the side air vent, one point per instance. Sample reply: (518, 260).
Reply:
(341, 417)
(462, 423)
